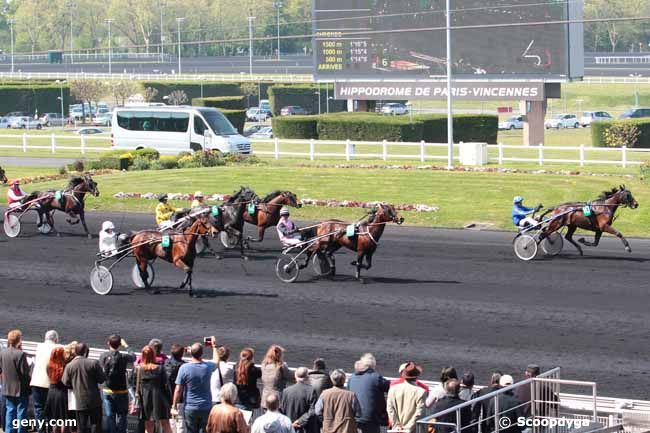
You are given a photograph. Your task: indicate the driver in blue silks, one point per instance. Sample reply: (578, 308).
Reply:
(520, 213)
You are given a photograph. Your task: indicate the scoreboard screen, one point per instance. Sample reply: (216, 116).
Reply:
(394, 39)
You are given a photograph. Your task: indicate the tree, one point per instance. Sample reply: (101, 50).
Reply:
(122, 90)
(177, 97)
(150, 94)
(87, 91)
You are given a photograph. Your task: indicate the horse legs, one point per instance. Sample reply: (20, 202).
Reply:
(597, 236)
(82, 217)
(569, 237)
(368, 261)
(260, 235)
(359, 264)
(144, 275)
(612, 231)
(188, 274)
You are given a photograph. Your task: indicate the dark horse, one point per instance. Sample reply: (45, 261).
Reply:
(268, 211)
(147, 246)
(364, 242)
(600, 221)
(231, 218)
(70, 202)
(3, 176)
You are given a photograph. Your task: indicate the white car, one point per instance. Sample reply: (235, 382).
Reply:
(394, 109)
(26, 123)
(514, 122)
(563, 121)
(591, 116)
(256, 114)
(264, 133)
(4, 122)
(103, 119)
(89, 131)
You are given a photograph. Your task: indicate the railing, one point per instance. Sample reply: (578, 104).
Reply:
(617, 80)
(622, 60)
(242, 76)
(55, 143)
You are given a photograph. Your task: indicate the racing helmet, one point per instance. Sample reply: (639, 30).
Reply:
(198, 194)
(284, 211)
(517, 199)
(16, 182)
(162, 197)
(107, 225)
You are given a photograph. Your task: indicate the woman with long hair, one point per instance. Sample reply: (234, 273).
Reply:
(151, 380)
(56, 404)
(275, 372)
(246, 377)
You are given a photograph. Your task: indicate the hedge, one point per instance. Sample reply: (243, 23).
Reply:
(29, 98)
(598, 129)
(467, 128)
(299, 127)
(368, 127)
(236, 117)
(193, 89)
(303, 95)
(225, 102)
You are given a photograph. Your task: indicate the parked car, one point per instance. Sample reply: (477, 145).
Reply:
(253, 129)
(264, 133)
(563, 121)
(591, 116)
(394, 109)
(256, 114)
(26, 122)
(17, 114)
(293, 110)
(265, 105)
(54, 119)
(514, 122)
(635, 113)
(77, 113)
(4, 122)
(104, 118)
(89, 130)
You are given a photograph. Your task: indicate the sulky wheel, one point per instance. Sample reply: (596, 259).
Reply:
(287, 268)
(101, 280)
(135, 276)
(321, 265)
(44, 228)
(552, 244)
(201, 245)
(11, 225)
(525, 247)
(228, 240)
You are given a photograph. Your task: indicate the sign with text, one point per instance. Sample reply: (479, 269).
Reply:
(478, 91)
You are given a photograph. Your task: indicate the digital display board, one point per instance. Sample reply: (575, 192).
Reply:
(396, 39)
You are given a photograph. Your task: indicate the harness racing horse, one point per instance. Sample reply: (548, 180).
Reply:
(231, 218)
(364, 242)
(268, 212)
(71, 201)
(602, 217)
(147, 246)
(3, 176)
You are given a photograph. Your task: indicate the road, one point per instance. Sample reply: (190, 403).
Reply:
(439, 297)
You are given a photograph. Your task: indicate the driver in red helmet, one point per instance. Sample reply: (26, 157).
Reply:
(15, 195)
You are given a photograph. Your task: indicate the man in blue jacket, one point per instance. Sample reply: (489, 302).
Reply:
(520, 213)
(370, 388)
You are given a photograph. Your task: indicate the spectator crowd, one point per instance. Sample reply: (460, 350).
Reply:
(197, 389)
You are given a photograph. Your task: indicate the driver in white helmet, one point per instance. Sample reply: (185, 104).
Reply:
(287, 230)
(109, 240)
(520, 213)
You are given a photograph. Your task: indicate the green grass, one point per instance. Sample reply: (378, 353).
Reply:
(43, 139)
(462, 197)
(13, 172)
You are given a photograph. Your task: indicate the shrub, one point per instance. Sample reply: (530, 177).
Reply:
(147, 153)
(192, 89)
(201, 158)
(467, 128)
(63, 169)
(621, 135)
(188, 161)
(167, 162)
(29, 96)
(224, 102)
(368, 127)
(303, 95)
(300, 127)
(236, 117)
(77, 166)
(239, 159)
(141, 164)
(105, 162)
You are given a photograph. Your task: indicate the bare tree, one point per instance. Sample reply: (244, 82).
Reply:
(150, 94)
(122, 90)
(177, 97)
(87, 91)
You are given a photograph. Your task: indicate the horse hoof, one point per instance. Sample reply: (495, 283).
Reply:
(191, 294)
(218, 257)
(244, 258)
(89, 236)
(581, 240)
(58, 235)
(362, 280)
(154, 291)
(628, 249)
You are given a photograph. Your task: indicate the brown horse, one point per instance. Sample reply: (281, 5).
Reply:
(3, 176)
(600, 221)
(364, 242)
(268, 212)
(147, 246)
(70, 202)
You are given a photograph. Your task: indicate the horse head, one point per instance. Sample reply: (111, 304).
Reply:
(386, 213)
(91, 185)
(290, 199)
(202, 224)
(3, 176)
(626, 198)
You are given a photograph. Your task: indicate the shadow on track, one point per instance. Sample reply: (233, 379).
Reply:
(198, 293)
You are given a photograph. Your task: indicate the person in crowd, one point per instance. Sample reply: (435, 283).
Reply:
(172, 365)
(522, 393)
(439, 392)
(272, 421)
(193, 388)
(56, 405)
(337, 407)
(402, 372)
(154, 392)
(544, 391)
(40, 382)
(319, 377)
(405, 402)
(480, 409)
(298, 402)
(164, 212)
(157, 346)
(451, 399)
(15, 382)
(370, 388)
(225, 373)
(275, 372)
(15, 195)
(115, 394)
(287, 229)
(246, 376)
(69, 350)
(85, 376)
(467, 386)
(199, 200)
(509, 406)
(225, 417)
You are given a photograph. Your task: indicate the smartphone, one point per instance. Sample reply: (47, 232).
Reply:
(207, 341)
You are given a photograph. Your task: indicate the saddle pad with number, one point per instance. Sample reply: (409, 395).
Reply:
(351, 230)
(252, 208)
(165, 242)
(58, 195)
(587, 210)
(215, 211)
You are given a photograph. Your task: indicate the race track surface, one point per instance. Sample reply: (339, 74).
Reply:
(439, 297)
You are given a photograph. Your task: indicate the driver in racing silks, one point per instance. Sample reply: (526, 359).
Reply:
(164, 213)
(287, 231)
(15, 195)
(520, 213)
(109, 241)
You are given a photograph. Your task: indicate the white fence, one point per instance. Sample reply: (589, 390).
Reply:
(242, 76)
(358, 150)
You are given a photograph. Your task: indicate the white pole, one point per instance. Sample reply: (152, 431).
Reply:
(71, 38)
(178, 25)
(250, 45)
(11, 25)
(278, 5)
(110, 63)
(162, 48)
(450, 119)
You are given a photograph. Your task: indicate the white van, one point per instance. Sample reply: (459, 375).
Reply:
(172, 129)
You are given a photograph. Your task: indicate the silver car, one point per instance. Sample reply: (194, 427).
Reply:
(514, 122)
(54, 119)
(592, 116)
(26, 123)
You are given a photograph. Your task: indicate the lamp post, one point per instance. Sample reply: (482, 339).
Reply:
(110, 63)
(70, 5)
(278, 4)
(178, 25)
(162, 39)
(450, 119)
(60, 83)
(636, 88)
(250, 44)
(318, 93)
(11, 26)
